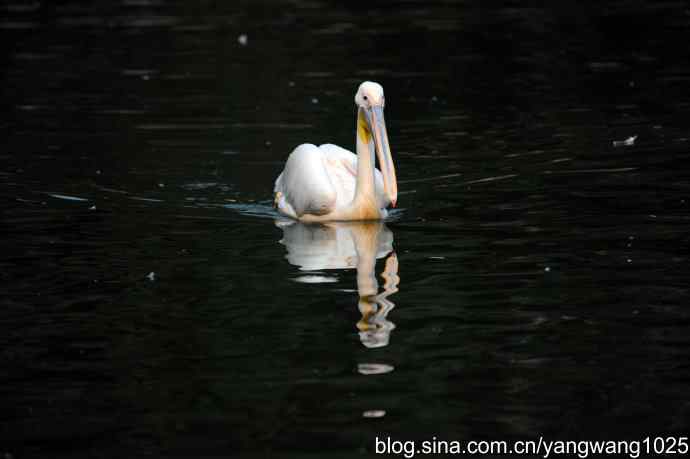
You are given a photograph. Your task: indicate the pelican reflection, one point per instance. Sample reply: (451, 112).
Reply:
(349, 245)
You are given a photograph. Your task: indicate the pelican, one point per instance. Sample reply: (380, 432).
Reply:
(329, 183)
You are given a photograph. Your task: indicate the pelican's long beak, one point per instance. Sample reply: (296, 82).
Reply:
(383, 152)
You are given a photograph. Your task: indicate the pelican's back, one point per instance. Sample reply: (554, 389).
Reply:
(304, 186)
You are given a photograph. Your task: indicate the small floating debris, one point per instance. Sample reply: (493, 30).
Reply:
(547, 269)
(243, 39)
(630, 141)
(92, 208)
(314, 100)
(437, 258)
(161, 185)
(374, 414)
(151, 276)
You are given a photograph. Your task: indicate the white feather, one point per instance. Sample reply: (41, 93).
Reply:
(320, 180)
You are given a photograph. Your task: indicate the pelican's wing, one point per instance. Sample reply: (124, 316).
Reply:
(305, 186)
(342, 169)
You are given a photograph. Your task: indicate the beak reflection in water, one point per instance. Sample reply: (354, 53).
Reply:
(318, 249)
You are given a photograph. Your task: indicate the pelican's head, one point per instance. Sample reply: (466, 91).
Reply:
(370, 100)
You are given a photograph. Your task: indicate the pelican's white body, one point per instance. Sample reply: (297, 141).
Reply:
(321, 181)
(329, 183)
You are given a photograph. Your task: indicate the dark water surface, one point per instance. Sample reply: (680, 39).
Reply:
(534, 281)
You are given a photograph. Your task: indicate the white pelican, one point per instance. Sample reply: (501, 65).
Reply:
(328, 183)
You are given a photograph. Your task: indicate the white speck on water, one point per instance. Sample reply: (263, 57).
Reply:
(629, 260)
(547, 269)
(92, 208)
(243, 39)
(267, 143)
(291, 84)
(98, 172)
(161, 185)
(625, 143)
(374, 414)
(151, 276)
(314, 100)
(145, 77)
(437, 258)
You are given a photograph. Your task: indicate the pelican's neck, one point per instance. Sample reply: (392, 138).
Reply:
(365, 192)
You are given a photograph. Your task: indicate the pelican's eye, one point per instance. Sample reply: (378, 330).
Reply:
(365, 98)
